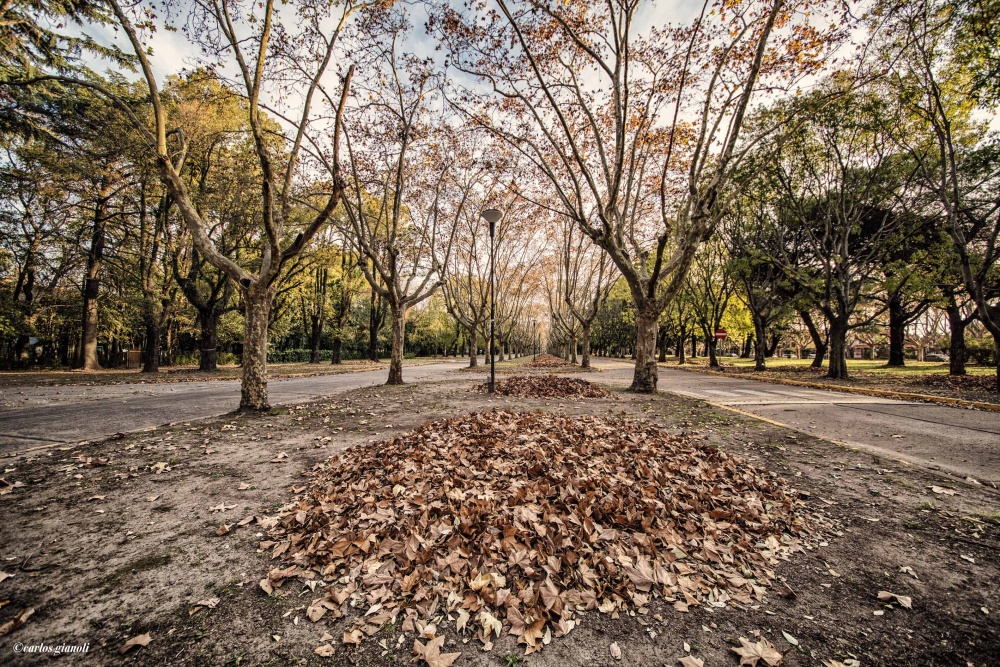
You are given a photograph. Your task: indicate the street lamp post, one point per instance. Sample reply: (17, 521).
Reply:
(492, 216)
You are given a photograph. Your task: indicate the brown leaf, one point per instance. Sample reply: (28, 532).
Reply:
(324, 650)
(138, 640)
(431, 653)
(691, 661)
(752, 652)
(16, 622)
(616, 651)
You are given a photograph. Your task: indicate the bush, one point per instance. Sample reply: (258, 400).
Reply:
(296, 356)
(982, 351)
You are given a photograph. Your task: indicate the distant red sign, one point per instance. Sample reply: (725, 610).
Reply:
(721, 334)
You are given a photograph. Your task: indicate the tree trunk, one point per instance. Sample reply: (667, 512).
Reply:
(208, 357)
(473, 349)
(152, 362)
(338, 350)
(817, 339)
(713, 357)
(897, 331)
(957, 353)
(838, 351)
(398, 334)
(773, 347)
(585, 362)
(254, 385)
(694, 346)
(64, 347)
(646, 326)
(315, 335)
(92, 285)
(759, 342)
(680, 350)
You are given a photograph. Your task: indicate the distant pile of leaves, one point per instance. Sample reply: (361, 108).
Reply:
(518, 523)
(548, 361)
(546, 386)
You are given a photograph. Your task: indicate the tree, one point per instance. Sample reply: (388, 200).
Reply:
(403, 203)
(304, 43)
(595, 103)
(589, 277)
(834, 179)
(940, 72)
(710, 285)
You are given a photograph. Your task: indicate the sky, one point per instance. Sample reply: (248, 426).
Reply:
(173, 52)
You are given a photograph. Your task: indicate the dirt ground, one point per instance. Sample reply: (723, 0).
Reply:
(116, 539)
(924, 378)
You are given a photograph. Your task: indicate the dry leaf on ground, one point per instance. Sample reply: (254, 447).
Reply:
(546, 386)
(752, 652)
(548, 361)
(16, 622)
(138, 640)
(524, 520)
(432, 655)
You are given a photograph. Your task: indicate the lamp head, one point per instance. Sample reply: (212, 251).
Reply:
(492, 216)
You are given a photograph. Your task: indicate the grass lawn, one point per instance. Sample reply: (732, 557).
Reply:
(916, 377)
(865, 365)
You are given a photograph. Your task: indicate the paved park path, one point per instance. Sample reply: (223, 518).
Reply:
(36, 416)
(956, 441)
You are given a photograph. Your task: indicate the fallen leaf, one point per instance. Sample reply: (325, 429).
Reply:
(353, 637)
(616, 651)
(941, 490)
(324, 650)
(752, 652)
(691, 661)
(138, 640)
(5, 575)
(789, 638)
(903, 600)
(16, 622)
(431, 653)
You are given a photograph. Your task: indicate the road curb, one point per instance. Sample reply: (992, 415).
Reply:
(882, 393)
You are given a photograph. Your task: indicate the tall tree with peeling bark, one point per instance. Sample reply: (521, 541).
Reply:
(634, 129)
(589, 276)
(402, 204)
(289, 66)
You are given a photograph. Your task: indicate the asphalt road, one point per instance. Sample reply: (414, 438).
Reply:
(36, 416)
(957, 441)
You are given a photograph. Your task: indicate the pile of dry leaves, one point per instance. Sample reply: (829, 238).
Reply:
(546, 386)
(548, 361)
(519, 523)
